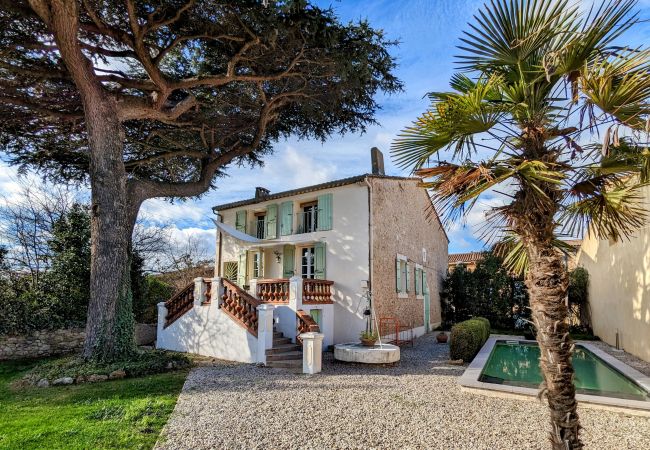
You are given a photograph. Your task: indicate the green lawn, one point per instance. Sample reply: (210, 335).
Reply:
(117, 414)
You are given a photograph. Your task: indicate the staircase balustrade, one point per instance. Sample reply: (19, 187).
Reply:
(179, 304)
(240, 306)
(306, 324)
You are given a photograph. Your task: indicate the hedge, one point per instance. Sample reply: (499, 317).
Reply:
(468, 337)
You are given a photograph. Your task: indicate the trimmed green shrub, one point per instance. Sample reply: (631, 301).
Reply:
(468, 337)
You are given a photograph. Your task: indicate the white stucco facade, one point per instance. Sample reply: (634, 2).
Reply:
(347, 254)
(207, 330)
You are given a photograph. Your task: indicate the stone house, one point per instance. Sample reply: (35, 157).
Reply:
(339, 256)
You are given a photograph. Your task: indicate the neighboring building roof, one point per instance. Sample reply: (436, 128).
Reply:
(470, 257)
(303, 190)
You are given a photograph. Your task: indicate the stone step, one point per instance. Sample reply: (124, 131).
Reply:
(284, 356)
(283, 349)
(281, 341)
(288, 364)
(278, 334)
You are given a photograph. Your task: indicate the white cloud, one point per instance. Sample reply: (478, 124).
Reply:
(161, 211)
(294, 169)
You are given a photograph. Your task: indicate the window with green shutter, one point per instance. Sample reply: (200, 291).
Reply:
(240, 220)
(286, 218)
(402, 277)
(418, 281)
(320, 253)
(325, 212)
(288, 261)
(398, 275)
(271, 222)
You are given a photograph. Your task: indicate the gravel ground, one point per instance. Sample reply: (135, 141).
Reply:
(416, 404)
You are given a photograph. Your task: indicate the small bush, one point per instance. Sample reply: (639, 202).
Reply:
(468, 337)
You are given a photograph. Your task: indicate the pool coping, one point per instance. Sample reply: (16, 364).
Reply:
(470, 378)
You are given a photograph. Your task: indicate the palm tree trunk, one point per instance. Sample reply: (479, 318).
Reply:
(547, 283)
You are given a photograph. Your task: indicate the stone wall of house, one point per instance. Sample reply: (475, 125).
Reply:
(404, 223)
(41, 343)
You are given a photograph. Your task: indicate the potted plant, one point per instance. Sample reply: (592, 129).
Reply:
(368, 338)
(442, 337)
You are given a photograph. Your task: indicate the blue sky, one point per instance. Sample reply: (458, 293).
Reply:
(428, 31)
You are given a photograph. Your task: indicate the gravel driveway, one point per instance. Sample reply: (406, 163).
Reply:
(417, 404)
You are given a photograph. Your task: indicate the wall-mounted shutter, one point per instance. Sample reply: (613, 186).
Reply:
(398, 275)
(425, 287)
(286, 218)
(418, 281)
(288, 261)
(241, 269)
(320, 251)
(324, 212)
(271, 222)
(408, 276)
(240, 221)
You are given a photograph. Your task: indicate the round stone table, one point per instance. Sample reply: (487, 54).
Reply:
(377, 354)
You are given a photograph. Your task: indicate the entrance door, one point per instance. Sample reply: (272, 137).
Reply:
(307, 262)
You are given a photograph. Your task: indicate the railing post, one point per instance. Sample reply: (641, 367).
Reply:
(252, 289)
(295, 292)
(312, 352)
(264, 330)
(217, 291)
(199, 291)
(162, 317)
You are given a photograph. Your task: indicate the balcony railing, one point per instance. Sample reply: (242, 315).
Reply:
(257, 229)
(316, 291)
(273, 291)
(307, 222)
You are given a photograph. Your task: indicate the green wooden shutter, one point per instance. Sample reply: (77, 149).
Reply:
(271, 222)
(240, 221)
(286, 218)
(288, 261)
(324, 212)
(408, 276)
(319, 260)
(425, 288)
(241, 269)
(398, 275)
(418, 281)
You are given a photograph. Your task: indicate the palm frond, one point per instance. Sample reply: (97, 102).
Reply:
(620, 86)
(515, 256)
(453, 120)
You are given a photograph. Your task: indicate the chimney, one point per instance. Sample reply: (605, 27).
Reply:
(261, 192)
(377, 158)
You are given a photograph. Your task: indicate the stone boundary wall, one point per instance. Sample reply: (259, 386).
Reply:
(41, 343)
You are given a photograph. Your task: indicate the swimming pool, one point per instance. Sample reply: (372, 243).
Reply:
(517, 364)
(513, 366)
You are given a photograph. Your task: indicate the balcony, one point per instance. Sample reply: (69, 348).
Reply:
(307, 221)
(314, 292)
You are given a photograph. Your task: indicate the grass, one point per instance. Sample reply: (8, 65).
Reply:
(127, 413)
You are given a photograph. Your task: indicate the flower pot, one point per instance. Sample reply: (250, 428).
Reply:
(368, 342)
(442, 338)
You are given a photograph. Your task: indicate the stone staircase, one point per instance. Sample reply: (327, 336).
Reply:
(284, 354)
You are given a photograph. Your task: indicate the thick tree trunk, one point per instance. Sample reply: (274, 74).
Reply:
(110, 325)
(547, 284)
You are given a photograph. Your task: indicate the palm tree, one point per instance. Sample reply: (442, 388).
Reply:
(537, 79)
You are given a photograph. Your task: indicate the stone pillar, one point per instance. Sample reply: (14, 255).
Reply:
(252, 287)
(199, 291)
(162, 314)
(217, 291)
(295, 293)
(312, 352)
(264, 330)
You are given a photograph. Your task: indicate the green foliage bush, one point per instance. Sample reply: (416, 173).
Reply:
(489, 291)
(140, 364)
(468, 337)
